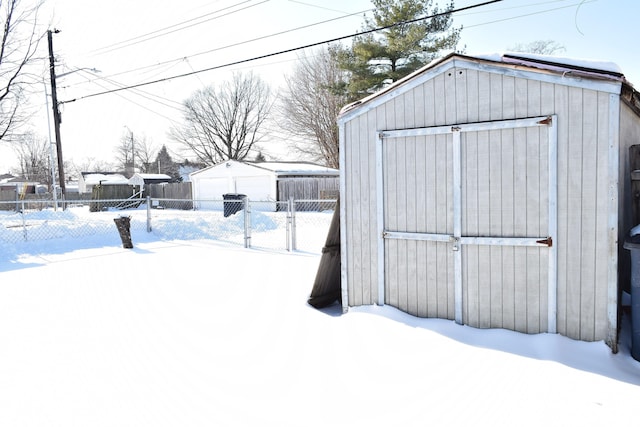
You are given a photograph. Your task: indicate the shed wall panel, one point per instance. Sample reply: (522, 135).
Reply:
(460, 95)
(418, 274)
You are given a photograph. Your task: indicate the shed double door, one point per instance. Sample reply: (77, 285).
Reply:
(467, 218)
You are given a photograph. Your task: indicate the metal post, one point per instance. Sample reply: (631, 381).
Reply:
(247, 222)
(24, 223)
(148, 214)
(288, 223)
(294, 245)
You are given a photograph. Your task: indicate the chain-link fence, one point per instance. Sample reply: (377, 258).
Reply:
(293, 225)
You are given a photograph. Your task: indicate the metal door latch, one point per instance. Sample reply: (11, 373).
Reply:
(456, 243)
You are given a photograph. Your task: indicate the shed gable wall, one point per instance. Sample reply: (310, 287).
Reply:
(466, 95)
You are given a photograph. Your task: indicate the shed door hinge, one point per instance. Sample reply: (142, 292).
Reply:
(548, 241)
(546, 121)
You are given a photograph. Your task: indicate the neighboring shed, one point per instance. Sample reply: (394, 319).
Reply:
(19, 186)
(87, 180)
(492, 191)
(140, 179)
(264, 181)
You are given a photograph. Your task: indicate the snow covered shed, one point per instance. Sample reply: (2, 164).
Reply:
(493, 191)
(140, 179)
(87, 180)
(263, 181)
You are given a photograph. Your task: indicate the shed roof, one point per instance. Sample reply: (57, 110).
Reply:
(152, 176)
(296, 168)
(561, 66)
(104, 178)
(281, 168)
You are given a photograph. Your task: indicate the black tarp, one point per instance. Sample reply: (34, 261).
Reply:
(326, 288)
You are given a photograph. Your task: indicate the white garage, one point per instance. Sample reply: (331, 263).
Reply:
(258, 181)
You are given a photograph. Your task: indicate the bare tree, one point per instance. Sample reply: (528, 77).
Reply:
(542, 47)
(144, 152)
(33, 153)
(90, 165)
(311, 103)
(21, 36)
(135, 151)
(125, 152)
(224, 123)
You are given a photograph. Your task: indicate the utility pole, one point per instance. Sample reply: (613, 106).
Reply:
(54, 191)
(56, 114)
(133, 154)
(133, 151)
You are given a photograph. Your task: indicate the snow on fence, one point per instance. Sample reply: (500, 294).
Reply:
(296, 225)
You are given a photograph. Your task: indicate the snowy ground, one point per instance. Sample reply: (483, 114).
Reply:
(205, 333)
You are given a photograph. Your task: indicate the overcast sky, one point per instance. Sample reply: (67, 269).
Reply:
(149, 40)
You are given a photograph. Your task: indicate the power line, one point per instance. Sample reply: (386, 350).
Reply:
(529, 14)
(242, 61)
(141, 38)
(315, 5)
(181, 59)
(170, 103)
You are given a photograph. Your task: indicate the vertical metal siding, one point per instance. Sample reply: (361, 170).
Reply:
(584, 261)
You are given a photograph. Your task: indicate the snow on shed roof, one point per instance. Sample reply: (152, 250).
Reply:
(104, 178)
(153, 175)
(566, 66)
(296, 168)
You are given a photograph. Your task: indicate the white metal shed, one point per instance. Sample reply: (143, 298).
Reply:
(87, 180)
(491, 191)
(140, 179)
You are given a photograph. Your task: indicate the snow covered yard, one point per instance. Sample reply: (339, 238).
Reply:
(205, 333)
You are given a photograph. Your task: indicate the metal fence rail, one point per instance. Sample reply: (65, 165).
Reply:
(300, 225)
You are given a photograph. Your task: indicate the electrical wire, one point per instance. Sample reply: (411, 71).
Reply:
(140, 39)
(268, 55)
(238, 44)
(529, 14)
(170, 103)
(315, 5)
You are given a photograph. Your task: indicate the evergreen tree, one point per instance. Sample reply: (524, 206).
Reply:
(166, 165)
(404, 45)
(260, 157)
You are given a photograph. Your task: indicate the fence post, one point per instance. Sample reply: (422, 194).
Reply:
(288, 223)
(247, 222)
(24, 223)
(294, 239)
(148, 214)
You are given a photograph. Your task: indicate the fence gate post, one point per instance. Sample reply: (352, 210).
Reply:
(24, 223)
(148, 214)
(294, 243)
(288, 223)
(247, 222)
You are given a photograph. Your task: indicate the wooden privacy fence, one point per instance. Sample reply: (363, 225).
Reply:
(308, 188)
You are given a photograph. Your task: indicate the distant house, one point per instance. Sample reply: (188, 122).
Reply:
(18, 185)
(265, 181)
(88, 180)
(141, 179)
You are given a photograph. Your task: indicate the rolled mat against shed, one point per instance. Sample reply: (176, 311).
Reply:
(326, 287)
